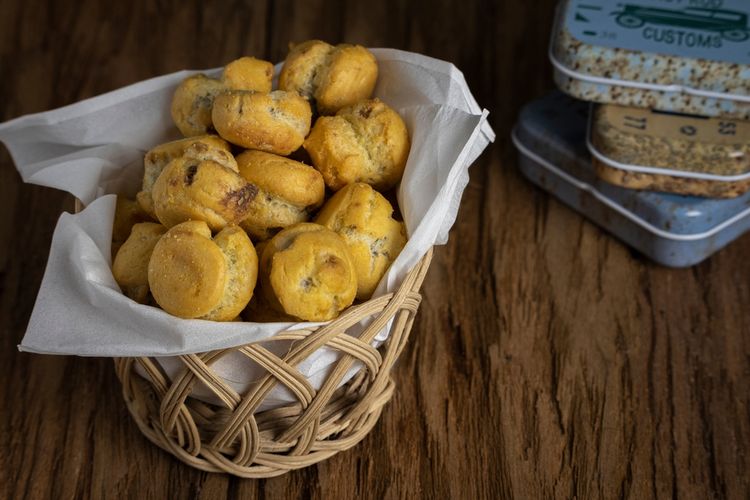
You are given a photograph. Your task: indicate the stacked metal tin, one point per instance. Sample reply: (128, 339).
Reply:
(652, 140)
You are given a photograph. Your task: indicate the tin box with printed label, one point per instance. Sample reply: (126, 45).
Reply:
(683, 154)
(673, 230)
(687, 56)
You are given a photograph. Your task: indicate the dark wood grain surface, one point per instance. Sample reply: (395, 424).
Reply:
(548, 359)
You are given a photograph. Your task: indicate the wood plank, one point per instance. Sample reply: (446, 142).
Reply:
(548, 360)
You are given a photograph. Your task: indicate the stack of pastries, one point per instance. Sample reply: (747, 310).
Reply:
(285, 188)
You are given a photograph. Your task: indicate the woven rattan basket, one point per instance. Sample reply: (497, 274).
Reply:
(277, 404)
(232, 437)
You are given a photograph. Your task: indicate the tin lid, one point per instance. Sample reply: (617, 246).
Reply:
(552, 131)
(678, 145)
(696, 47)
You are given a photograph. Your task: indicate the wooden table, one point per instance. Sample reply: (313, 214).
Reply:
(548, 359)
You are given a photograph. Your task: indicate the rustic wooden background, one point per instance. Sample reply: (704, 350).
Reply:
(548, 360)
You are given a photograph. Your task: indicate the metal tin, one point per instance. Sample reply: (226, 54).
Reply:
(673, 230)
(687, 56)
(684, 154)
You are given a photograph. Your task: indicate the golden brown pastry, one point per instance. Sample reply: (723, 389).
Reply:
(127, 213)
(192, 103)
(248, 73)
(367, 142)
(334, 76)
(130, 267)
(307, 272)
(362, 216)
(190, 189)
(206, 147)
(193, 276)
(288, 192)
(275, 122)
(260, 247)
(260, 311)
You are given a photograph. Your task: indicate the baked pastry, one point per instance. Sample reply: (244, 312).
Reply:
(367, 142)
(206, 147)
(127, 213)
(276, 122)
(288, 192)
(190, 189)
(192, 103)
(259, 310)
(193, 276)
(130, 267)
(333, 76)
(362, 217)
(307, 272)
(248, 73)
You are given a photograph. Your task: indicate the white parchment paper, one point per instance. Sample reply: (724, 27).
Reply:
(94, 148)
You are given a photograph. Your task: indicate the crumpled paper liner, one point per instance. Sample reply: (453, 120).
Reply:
(95, 148)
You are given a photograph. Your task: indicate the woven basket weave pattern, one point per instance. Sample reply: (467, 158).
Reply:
(232, 437)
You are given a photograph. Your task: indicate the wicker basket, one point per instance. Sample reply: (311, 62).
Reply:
(232, 437)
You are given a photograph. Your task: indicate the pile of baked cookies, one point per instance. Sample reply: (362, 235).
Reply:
(279, 188)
